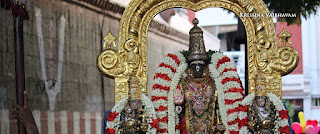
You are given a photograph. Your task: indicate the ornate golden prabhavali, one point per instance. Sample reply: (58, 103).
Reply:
(264, 54)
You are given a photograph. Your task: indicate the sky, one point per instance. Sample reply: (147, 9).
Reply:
(218, 16)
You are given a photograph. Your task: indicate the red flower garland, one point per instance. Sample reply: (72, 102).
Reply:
(155, 98)
(227, 79)
(238, 109)
(178, 126)
(175, 58)
(157, 86)
(227, 70)
(162, 108)
(164, 119)
(228, 102)
(234, 132)
(110, 131)
(234, 89)
(283, 114)
(163, 130)
(162, 76)
(223, 60)
(285, 130)
(112, 115)
(167, 66)
(154, 123)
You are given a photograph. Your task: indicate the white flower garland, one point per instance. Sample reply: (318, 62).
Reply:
(218, 75)
(174, 83)
(150, 113)
(117, 108)
(171, 107)
(168, 60)
(248, 99)
(148, 108)
(279, 106)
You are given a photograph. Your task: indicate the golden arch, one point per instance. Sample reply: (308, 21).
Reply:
(264, 54)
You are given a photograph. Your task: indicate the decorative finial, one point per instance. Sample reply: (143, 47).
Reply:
(109, 40)
(284, 37)
(195, 21)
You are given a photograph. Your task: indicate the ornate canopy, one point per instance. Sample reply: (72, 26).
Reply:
(265, 55)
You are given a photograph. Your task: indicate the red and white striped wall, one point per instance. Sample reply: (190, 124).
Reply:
(61, 122)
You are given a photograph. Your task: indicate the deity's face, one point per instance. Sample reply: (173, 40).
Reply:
(134, 104)
(197, 70)
(261, 101)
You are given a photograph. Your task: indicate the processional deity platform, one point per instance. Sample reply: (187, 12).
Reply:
(197, 91)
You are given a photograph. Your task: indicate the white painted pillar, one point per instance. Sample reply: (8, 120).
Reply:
(306, 62)
(310, 62)
(317, 19)
(307, 107)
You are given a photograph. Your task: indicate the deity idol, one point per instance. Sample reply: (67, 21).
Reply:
(266, 113)
(262, 113)
(133, 117)
(197, 92)
(134, 114)
(196, 96)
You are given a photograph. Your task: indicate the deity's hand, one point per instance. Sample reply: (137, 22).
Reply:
(251, 124)
(268, 105)
(178, 97)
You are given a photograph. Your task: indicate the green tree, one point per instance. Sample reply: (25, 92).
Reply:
(303, 8)
(290, 108)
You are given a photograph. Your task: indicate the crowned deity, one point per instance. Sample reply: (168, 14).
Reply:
(261, 112)
(196, 97)
(133, 117)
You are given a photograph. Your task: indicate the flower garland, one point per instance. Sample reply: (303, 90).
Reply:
(168, 75)
(230, 90)
(113, 118)
(282, 122)
(171, 109)
(282, 125)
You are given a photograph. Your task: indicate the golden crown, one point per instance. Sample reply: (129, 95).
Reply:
(197, 50)
(260, 85)
(134, 89)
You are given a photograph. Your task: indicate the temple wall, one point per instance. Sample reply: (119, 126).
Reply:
(81, 82)
(74, 30)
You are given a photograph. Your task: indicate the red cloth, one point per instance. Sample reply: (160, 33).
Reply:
(18, 8)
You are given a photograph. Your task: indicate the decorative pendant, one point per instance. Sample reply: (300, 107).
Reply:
(266, 124)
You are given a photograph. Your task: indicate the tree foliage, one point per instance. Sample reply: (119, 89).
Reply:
(290, 108)
(303, 8)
